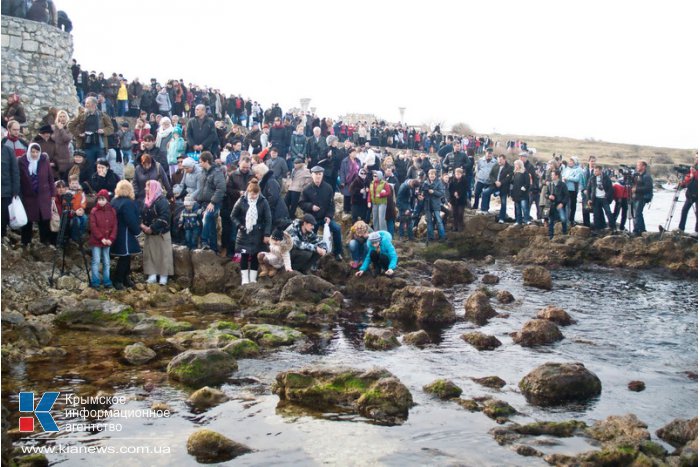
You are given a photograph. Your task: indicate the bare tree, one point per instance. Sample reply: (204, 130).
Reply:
(462, 129)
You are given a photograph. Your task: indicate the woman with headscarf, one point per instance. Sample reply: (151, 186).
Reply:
(62, 138)
(251, 217)
(358, 196)
(36, 189)
(149, 170)
(128, 227)
(157, 246)
(165, 132)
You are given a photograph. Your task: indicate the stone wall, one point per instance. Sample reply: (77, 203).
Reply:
(36, 60)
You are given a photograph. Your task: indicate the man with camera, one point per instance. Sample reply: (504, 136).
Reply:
(91, 130)
(642, 192)
(690, 183)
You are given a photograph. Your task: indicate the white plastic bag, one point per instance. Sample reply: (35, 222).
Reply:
(327, 238)
(18, 216)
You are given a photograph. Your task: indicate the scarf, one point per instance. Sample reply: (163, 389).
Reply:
(162, 133)
(154, 192)
(251, 217)
(33, 163)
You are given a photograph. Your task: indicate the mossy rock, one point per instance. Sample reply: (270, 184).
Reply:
(125, 319)
(380, 339)
(469, 404)
(443, 389)
(481, 341)
(199, 368)
(138, 354)
(564, 429)
(32, 460)
(206, 397)
(210, 447)
(162, 325)
(490, 382)
(559, 383)
(498, 410)
(215, 303)
(242, 348)
(268, 335)
(219, 334)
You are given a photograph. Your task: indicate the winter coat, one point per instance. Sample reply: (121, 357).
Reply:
(379, 191)
(483, 169)
(251, 242)
(560, 192)
(157, 216)
(201, 131)
(163, 102)
(433, 201)
(304, 241)
(301, 178)
(575, 180)
(297, 147)
(154, 172)
(37, 203)
(278, 167)
(607, 187)
(315, 149)
(271, 190)
(459, 186)
(321, 196)
(128, 227)
(97, 183)
(190, 183)
(48, 148)
(103, 225)
(404, 198)
(212, 186)
(62, 138)
(644, 189)
(77, 126)
(348, 172)
(278, 138)
(357, 198)
(385, 248)
(10, 173)
(279, 250)
(506, 176)
(521, 187)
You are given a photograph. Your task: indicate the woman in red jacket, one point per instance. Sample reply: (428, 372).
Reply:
(103, 231)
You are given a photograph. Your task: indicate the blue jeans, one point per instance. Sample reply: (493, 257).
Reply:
(358, 250)
(601, 206)
(557, 214)
(429, 217)
(522, 211)
(81, 95)
(93, 153)
(78, 225)
(335, 234)
(127, 156)
(405, 225)
(122, 108)
(209, 236)
(639, 226)
(192, 238)
(100, 255)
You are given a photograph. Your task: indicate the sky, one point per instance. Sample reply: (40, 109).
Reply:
(619, 71)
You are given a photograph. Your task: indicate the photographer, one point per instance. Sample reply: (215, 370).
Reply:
(91, 129)
(642, 193)
(690, 183)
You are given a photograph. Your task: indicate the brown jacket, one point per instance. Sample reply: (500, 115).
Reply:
(77, 127)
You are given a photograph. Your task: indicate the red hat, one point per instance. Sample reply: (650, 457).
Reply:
(103, 194)
(266, 126)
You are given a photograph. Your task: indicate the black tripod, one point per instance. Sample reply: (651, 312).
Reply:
(62, 243)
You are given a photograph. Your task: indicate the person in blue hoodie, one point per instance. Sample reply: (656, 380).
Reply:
(381, 255)
(572, 176)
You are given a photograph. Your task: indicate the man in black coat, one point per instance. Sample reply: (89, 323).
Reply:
(642, 192)
(317, 200)
(315, 148)
(599, 192)
(10, 183)
(500, 178)
(201, 132)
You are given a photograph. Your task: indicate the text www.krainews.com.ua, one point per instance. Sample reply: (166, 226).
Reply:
(82, 449)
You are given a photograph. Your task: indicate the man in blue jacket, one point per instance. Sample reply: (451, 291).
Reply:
(381, 255)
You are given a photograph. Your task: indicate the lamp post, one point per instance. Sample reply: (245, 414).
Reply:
(402, 111)
(313, 110)
(305, 101)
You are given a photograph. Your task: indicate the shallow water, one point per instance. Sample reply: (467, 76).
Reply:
(631, 326)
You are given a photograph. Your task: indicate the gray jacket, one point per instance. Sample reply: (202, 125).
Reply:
(10, 173)
(212, 186)
(278, 167)
(191, 182)
(483, 169)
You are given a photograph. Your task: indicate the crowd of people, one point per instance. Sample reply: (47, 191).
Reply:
(194, 160)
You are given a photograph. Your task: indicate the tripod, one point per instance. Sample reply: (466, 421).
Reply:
(676, 195)
(62, 243)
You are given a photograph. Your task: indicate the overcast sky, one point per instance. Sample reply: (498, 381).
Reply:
(611, 70)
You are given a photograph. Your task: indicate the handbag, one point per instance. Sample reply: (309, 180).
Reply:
(18, 216)
(327, 238)
(55, 223)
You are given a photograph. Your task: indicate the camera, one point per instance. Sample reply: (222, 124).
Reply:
(67, 201)
(91, 139)
(682, 169)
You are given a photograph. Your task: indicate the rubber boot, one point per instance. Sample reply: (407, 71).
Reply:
(253, 276)
(245, 276)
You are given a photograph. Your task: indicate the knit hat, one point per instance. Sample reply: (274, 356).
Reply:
(374, 237)
(177, 130)
(277, 235)
(379, 174)
(103, 194)
(188, 163)
(45, 129)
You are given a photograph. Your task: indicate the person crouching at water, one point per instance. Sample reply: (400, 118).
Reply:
(381, 255)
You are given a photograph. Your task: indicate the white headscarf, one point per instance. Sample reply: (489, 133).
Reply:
(162, 132)
(33, 163)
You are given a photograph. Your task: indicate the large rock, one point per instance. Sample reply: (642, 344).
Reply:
(375, 393)
(242, 348)
(161, 325)
(43, 306)
(209, 274)
(206, 397)
(219, 334)
(380, 339)
(537, 332)
(335, 272)
(493, 382)
(210, 447)
(490, 279)
(559, 383)
(418, 338)
(307, 288)
(182, 261)
(481, 341)
(503, 296)
(95, 315)
(679, 432)
(537, 276)
(215, 303)
(199, 368)
(368, 288)
(443, 389)
(448, 273)
(425, 305)
(268, 335)
(138, 354)
(478, 309)
(556, 315)
(619, 430)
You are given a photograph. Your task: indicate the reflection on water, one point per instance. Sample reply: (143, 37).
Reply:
(631, 326)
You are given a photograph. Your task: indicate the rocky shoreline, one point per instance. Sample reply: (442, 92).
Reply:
(145, 345)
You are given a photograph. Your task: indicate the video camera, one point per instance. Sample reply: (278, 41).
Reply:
(67, 201)
(682, 169)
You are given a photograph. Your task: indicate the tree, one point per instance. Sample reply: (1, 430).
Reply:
(462, 129)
